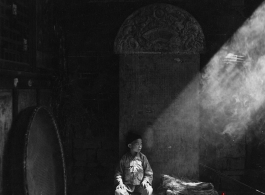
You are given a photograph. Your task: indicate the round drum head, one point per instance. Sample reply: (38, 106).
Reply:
(42, 163)
(43, 160)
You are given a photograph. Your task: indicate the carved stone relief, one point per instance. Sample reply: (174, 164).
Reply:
(160, 28)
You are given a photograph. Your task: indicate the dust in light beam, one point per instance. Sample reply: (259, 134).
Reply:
(233, 82)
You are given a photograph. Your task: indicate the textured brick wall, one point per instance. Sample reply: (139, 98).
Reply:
(93, 153)
(93, 165)
(93, 158)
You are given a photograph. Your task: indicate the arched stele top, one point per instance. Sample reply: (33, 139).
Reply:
(159, 28)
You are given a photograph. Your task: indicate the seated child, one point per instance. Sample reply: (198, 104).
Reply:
(134, 173)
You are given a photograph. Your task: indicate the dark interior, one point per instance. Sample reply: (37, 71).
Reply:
(62, 55)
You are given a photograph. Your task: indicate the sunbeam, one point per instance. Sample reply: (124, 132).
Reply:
(221, 102)
(233, 81)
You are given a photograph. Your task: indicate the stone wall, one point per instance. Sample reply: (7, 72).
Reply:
(159, 100)
(13, 100)
(93, 27)
(92, 148)
(23, 81)
(94, 163)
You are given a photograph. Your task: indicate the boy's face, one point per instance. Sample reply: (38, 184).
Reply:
(135, 146)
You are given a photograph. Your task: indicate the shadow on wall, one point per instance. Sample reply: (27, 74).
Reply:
(159, 101)
(159, 58)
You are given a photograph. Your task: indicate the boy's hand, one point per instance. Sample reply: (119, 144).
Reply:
(121, 186)
(145, 183)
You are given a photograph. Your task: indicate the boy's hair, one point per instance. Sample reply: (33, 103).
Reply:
(131, 136)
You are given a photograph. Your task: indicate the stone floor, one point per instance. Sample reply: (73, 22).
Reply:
(111, 192)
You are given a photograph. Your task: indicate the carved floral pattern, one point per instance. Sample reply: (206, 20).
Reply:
(160, 28)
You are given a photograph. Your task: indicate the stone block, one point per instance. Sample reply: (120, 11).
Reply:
(91, 144)
(231, 164)
(234, 172)
(80, 163)
(79, 175)
(106, 157)
(91, 155)
(110, 144)
(92, 171)
(91, 165)
(91, 159)
(79, 134)
(78, 143)
(81, 189)
(237, 163)
(78, 179)
(103, 192)
(221, 164)
(80, 156)
(27, 97)
(92, 177)
(230, 184)
(232, 149)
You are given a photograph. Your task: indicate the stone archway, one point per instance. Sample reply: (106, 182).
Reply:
(160, 28)
(159, 47)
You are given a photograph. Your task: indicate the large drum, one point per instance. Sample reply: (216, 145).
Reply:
(34, 160)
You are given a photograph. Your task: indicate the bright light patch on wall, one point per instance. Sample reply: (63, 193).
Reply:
(233, 83)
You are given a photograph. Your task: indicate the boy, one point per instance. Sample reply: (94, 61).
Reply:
(134, 173)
